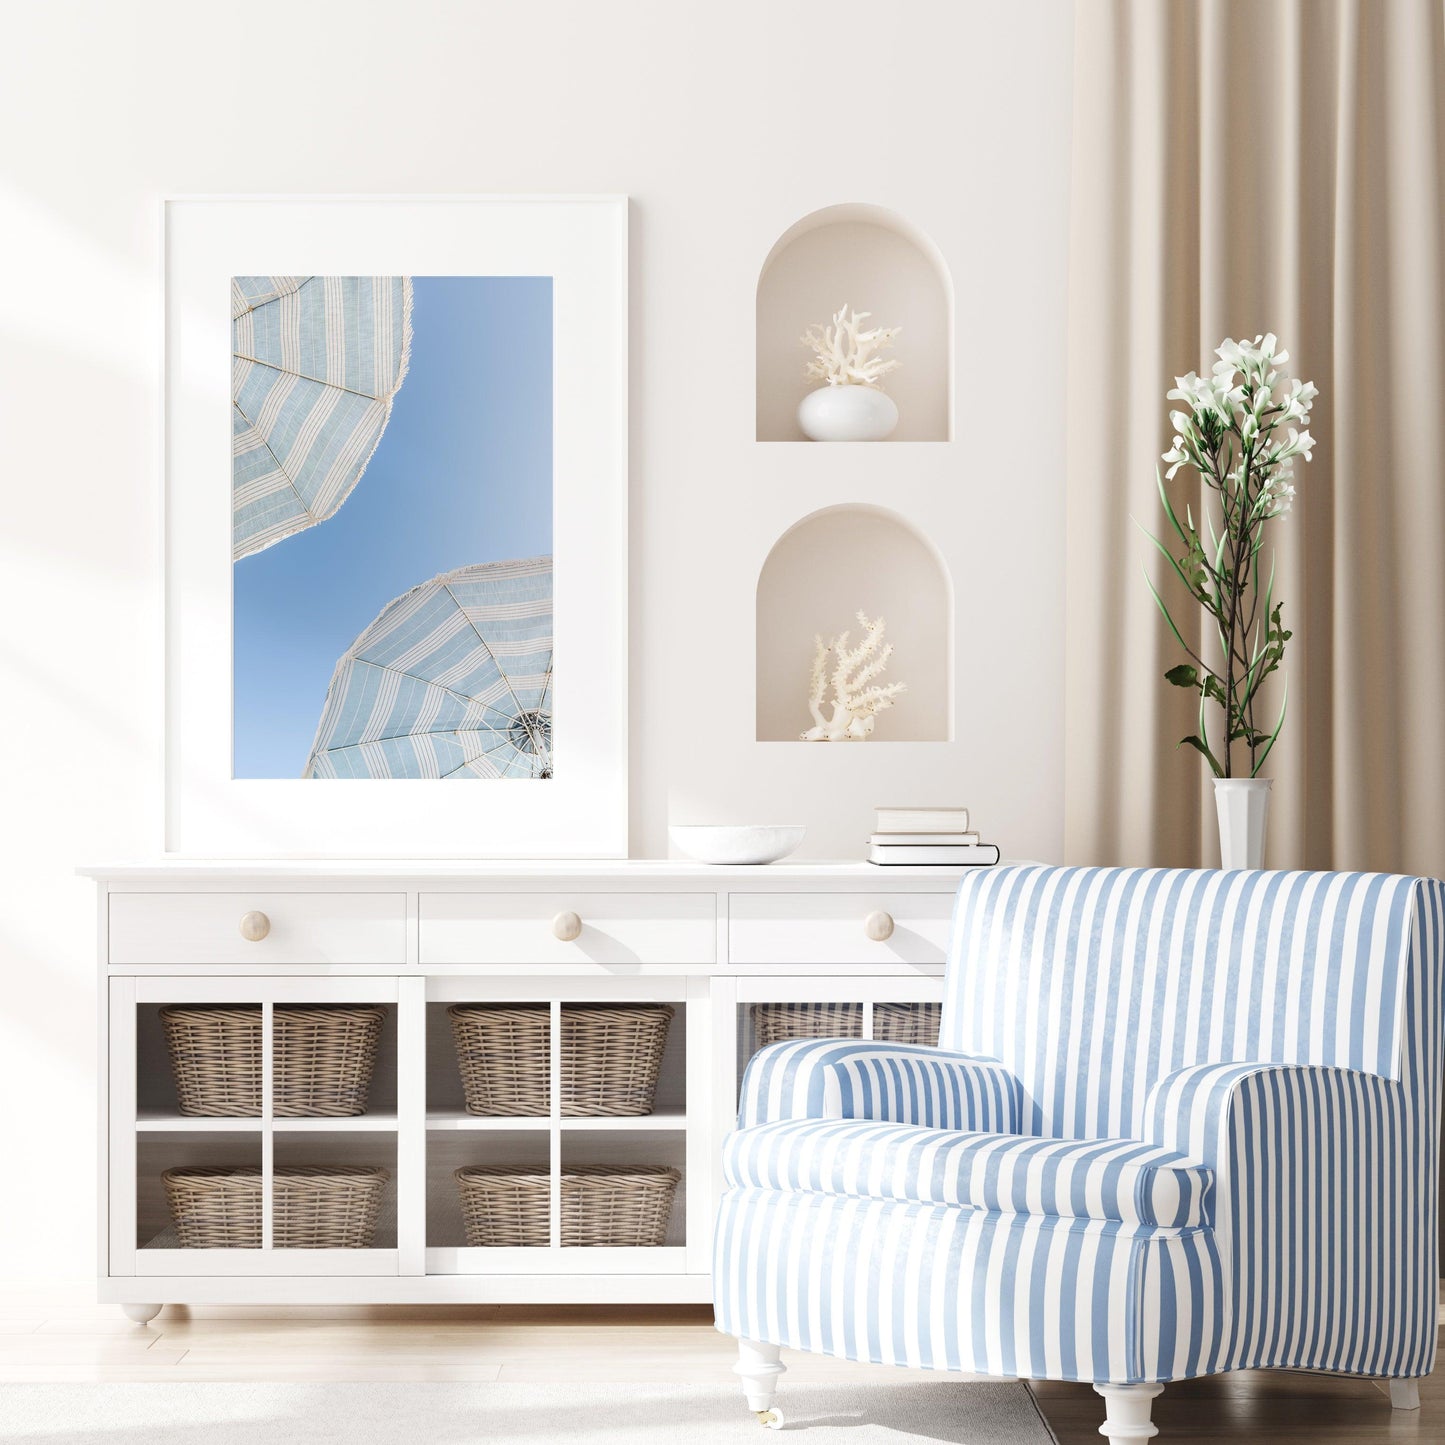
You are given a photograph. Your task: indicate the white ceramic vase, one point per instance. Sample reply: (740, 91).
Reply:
(847, 414)
(1243, 808)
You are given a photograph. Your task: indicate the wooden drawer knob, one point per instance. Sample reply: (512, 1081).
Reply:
(879, 926)
(254, 926)
(566, 926)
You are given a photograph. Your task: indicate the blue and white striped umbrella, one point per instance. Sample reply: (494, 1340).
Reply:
(452, 680)
(316, 361)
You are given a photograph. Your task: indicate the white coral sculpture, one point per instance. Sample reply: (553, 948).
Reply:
(857, 700)
(844, 356)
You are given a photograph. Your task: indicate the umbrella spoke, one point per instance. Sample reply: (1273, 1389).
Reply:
(476, 758)
(462, 697)
(300, 500)
(361, 751)
(254, 303)
(521, 712)
(304, 376)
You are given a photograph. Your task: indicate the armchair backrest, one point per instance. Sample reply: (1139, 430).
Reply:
(1091, 984)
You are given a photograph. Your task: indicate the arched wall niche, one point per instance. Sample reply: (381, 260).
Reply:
(873, 260)
(819, 574)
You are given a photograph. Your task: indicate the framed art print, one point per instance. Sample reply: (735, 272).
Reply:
(396, 526)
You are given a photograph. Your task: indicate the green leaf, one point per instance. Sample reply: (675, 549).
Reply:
(1277, 631)
(1185, 675)
(1164, 552)
(1219, 553)
(1168, 506)
(1257, 670)
(1198, 746)
(1204, 733)
(1158, 599)
(1274, 736)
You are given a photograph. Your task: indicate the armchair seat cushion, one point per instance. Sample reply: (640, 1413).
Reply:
(1120, 1180)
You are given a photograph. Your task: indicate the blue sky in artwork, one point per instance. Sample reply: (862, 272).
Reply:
(463, 474)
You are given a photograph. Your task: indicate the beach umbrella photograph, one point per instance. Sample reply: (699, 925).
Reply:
(452, 680)
(316, 363)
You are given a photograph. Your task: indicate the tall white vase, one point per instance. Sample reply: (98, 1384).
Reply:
(1243, 808)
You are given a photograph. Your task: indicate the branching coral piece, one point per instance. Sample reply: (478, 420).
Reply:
(856, 704)
(844, 356)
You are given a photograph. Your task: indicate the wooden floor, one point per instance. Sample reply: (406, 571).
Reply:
(47, 1334)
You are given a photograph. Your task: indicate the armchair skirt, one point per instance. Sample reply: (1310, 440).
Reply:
(934, 1286)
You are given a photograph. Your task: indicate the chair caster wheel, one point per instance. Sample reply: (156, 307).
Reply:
(770, 1419)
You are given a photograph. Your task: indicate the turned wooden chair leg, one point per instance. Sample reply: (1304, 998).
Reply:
(1404, 1394)
(758, 1367)
(1126, 1412)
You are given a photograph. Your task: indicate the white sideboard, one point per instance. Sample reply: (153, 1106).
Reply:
(416, 937)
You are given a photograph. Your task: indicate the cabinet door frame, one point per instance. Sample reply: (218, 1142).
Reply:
(120, 1182)
(556, 990)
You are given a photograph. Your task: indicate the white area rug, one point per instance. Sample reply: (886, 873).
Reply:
(961, 1413)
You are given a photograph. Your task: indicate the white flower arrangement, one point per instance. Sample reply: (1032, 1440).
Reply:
(843, 355)
(1239, 433)
(857, 701)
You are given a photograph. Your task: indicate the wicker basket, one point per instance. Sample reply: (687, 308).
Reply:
(610, 1058)
(219, 1207)
(907, 1023)
(895, 1023)
(321, 1066)
(623, 1208)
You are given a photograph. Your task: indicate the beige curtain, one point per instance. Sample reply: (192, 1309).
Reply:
(1262, 165)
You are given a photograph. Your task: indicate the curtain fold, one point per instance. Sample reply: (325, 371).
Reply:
(1243, 166)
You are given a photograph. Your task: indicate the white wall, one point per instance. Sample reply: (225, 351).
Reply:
(724, 124)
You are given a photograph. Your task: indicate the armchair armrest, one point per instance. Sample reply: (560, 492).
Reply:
(1322, 1221)
(1223, 1113)
(881, 1082)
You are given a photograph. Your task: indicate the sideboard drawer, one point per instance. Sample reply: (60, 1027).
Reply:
(502, 928)
(833, 928)
(258, 928)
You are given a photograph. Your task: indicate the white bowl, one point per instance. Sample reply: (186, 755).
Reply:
(745, 843)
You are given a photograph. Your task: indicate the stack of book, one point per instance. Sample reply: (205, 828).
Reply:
(928, 836)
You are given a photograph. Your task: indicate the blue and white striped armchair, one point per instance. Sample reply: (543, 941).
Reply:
(1179, 1122)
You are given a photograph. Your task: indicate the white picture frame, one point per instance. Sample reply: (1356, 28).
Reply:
(579, 241)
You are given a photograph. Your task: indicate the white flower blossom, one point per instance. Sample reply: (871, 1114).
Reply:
(1188, 388)
(1247, 398)
(1277, 496)
(1176, 456)
(1231, 354)
(1300, 444)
